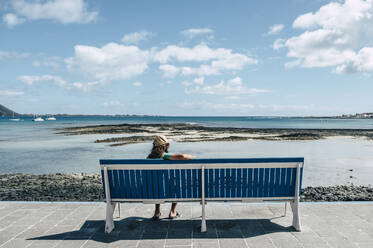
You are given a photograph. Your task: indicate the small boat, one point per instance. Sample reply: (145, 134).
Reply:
(51, 118)
(15, 119)
(38, 119)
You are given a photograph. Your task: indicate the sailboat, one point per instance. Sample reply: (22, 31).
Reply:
(51, 118)
(37, 119)
(15, 119)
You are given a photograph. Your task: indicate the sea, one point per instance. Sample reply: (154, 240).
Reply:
(36, 148)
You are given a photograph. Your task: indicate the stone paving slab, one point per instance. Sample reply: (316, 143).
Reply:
(231, 225)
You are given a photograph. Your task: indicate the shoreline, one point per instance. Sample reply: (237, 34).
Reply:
(88, 187)
(184, 132)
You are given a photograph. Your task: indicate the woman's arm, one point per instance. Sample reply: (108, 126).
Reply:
(183, 156)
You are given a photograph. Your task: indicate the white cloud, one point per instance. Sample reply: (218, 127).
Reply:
(275, 29)
(31, 80)
(166, 83)
(219, 107)
(136, 37)
(221, 59)
(11, 93)
(112, 104)
(12, 20)
(64, 11)
(114, 62)
(228, 98)
(278, 107)
(193, 32)
(232, 87)
(137, 84)
(53, 62)
(338, 35)
(169, 71)
(86, 86)
(5, 55)
(108, 63)
(196, 81)
(278, 44)
(56, 80)
(199, 52)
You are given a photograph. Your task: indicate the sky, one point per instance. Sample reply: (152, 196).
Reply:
(187, 58)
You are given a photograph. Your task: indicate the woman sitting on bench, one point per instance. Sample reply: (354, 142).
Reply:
(160, 150)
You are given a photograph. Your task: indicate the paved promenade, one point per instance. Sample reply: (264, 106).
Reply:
(228, 225)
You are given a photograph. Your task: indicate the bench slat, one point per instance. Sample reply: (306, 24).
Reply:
(239, 182)
(266, 183)
(195, 183)
(288, 182)
(103, 182)
(211, 182)
(217, 182)
(278, 182)
(272, 185)
(300, 181)
(250, 187)
(228, 183)
(183, 184)
(233, 182)
(199, 178)
(132, 184)
(189, 183)
(244, 190)
(155, 184)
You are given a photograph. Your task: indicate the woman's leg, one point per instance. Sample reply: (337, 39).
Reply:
(157, 211)
(173, 212)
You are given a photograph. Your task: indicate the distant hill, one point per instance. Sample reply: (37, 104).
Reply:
(4, 111)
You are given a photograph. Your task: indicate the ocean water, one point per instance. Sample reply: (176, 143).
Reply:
(34, 147)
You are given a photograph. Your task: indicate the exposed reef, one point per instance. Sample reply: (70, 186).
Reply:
(183, 132)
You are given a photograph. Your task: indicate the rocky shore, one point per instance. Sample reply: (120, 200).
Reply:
(184, 132)
(88, 187)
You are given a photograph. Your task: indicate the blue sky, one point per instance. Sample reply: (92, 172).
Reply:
(292, 57)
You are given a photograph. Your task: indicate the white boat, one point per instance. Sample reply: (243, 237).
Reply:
(51, 118)
(38, 119)
(15, 119)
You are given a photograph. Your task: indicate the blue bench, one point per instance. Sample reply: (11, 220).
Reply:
(201, 180)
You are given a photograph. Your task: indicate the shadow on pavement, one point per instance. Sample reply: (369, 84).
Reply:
(138, 228)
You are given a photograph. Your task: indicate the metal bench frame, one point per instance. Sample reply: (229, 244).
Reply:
(203, 164)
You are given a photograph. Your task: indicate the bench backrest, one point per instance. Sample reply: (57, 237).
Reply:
(140, 179)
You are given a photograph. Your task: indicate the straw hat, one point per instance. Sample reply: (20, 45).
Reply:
(160, 140)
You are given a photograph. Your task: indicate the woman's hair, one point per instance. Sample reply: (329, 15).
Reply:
(157, 151)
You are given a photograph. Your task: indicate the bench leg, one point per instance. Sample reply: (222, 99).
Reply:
(296, 220)
(109, 226)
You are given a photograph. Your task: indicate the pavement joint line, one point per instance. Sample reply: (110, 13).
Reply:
(74, 228)
(25, 229)
(66, 216)
(247, 246)
(217, 236)
(93, 232)
(191, 217)
(269, 237)
(141, 238)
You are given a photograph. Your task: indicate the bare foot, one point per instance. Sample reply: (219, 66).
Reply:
(156, 216)
(173, 215)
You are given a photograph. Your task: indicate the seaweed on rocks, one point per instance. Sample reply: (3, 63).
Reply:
(88, 187)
